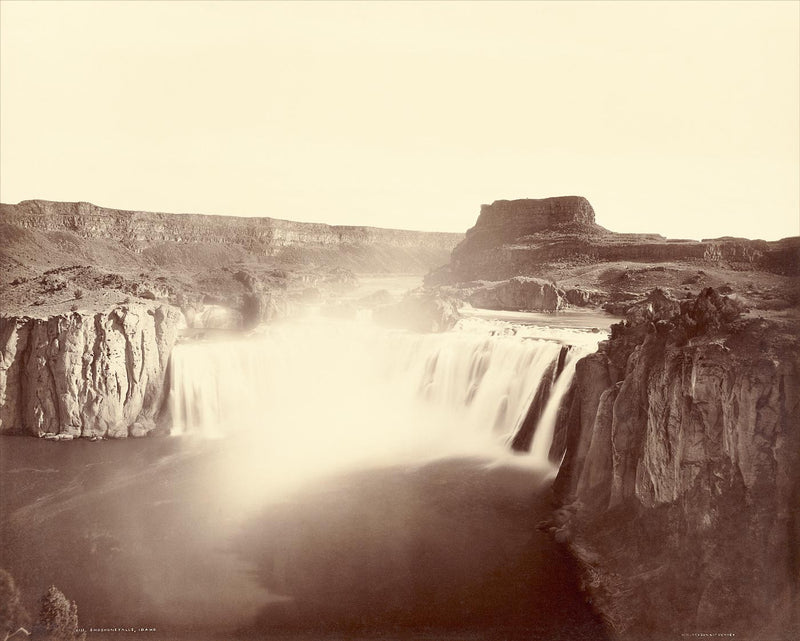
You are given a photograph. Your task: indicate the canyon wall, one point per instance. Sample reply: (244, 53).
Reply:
(515, 238)
(86, 374)
(146, 231)
(680, 483)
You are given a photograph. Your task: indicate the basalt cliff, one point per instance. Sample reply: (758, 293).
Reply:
(548, 254)
(360, 249)
(84, 374)
(680, 483)
(679, 487)
(518, 237)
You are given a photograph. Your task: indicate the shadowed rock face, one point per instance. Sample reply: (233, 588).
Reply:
(85, 374)
(507, 220)
(680, 482)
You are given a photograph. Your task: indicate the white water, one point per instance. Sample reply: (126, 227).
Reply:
(316, 396)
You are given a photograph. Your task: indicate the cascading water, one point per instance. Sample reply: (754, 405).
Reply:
(365, 477)
(335, 391)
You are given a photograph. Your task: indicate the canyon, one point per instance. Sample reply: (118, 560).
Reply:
(231, 271)
(157, 235)
(94, 298)
(679, 481)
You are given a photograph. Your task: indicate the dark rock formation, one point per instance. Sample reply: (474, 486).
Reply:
(582, 297)
(517, 237)
(505, 221)
(85, 374)
(520, 293)
(681, 478)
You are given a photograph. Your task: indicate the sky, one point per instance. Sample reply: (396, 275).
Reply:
(679, 118)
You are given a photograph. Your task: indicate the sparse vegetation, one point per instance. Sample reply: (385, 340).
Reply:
(78, 293)
(59, 617)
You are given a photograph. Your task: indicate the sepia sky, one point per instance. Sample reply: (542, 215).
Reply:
(676, 118)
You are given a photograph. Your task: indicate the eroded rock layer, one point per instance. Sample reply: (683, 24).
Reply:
(680, 482)
(516, 237)
(85, 374)
(165, 237)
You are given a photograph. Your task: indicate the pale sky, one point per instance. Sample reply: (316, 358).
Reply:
(675, 118)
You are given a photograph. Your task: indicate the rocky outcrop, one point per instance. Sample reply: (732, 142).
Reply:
(166, 237)
(517, 237)
(86, 374)
(681, 475)
(505, 221)
(520, 293)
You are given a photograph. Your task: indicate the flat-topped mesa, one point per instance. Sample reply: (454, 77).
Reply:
(522, 237)
(506, 220)
(537, 213)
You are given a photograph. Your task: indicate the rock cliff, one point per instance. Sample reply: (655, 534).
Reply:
(161, 237)
(85, 374)
(681, 475)
(521, 237)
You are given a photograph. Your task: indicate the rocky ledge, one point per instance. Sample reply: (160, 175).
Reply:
(86, 374)
(681, 475)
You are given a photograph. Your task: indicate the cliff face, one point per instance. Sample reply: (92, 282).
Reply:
(680, 483)
(506, 220)
(85, 374)
(518, 237)
(367, 248)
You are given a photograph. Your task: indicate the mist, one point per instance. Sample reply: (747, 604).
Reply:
(321, 475)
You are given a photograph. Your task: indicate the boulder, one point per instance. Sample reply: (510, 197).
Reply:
(520, 293)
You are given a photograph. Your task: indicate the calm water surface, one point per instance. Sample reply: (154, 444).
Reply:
(145, 534)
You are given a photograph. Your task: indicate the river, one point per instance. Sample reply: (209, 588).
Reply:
(331, 480)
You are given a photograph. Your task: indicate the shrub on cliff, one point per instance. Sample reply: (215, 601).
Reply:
(58, 617)
(13, 615)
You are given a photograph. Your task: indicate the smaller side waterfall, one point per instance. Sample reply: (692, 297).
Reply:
(359, 387)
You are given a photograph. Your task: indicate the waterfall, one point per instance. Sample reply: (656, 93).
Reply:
(340, 389)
